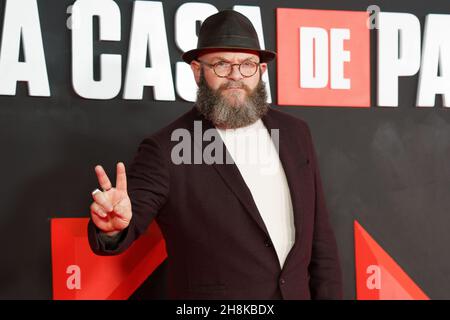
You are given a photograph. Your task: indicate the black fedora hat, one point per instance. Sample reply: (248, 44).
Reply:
(228, 30)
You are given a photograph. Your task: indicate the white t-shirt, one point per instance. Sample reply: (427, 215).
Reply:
(255, 155)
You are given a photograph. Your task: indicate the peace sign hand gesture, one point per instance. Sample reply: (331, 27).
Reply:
(111, 209)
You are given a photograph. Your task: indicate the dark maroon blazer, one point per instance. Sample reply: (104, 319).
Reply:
(217, 243)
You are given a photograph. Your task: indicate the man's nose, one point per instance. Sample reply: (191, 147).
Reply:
(235, 73)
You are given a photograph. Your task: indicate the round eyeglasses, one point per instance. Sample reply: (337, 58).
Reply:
(223, 69)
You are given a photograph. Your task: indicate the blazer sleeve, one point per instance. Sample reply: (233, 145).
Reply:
(324, 269)
(148, 184)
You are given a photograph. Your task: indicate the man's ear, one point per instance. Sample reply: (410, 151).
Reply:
(196, 68)
(263, 67)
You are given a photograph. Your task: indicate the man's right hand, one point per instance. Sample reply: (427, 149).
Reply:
(111, 209)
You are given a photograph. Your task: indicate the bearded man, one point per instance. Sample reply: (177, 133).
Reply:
(232, 229)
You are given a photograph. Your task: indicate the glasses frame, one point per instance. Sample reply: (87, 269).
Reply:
(213, 66)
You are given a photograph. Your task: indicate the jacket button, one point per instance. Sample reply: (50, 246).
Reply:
(282, 281)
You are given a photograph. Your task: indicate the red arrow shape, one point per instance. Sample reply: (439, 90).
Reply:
(378, 276)
(80, 274)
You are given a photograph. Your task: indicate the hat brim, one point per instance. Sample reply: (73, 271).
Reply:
(264, 55)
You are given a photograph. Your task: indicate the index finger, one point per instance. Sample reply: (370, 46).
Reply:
(102, 178)
(121, 177)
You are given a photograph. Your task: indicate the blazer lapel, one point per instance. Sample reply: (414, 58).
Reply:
(233, 178)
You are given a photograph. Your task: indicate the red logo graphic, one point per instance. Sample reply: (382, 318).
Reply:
(80, 274)
(378, 276)
(323, 58)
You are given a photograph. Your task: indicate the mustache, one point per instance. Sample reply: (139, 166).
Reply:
(234, 85)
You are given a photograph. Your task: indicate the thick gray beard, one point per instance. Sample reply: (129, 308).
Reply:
(225, 115)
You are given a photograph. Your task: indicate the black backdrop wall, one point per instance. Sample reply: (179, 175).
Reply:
(386, 167)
